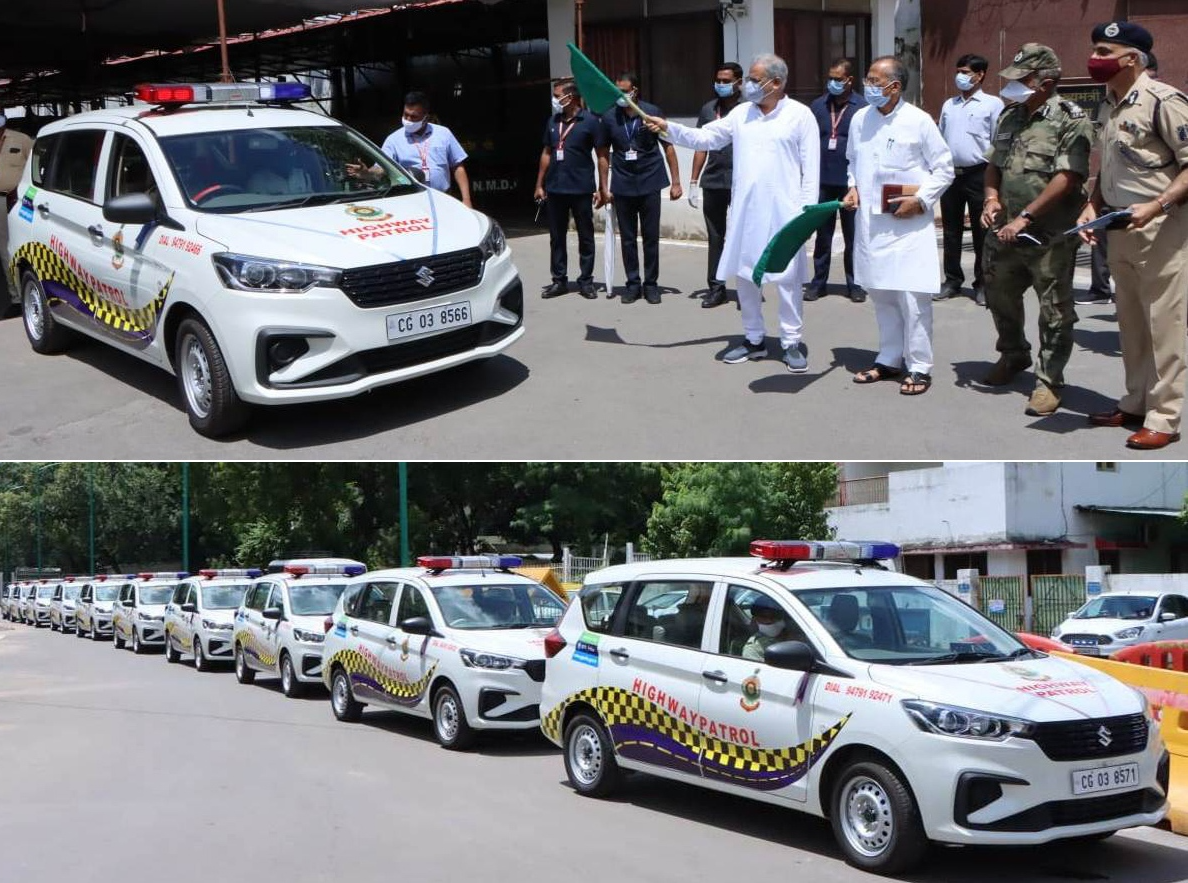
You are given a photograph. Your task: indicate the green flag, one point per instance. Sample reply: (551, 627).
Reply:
(791, 237)
(599, 92)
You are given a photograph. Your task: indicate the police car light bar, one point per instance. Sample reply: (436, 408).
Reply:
(326, 569)
(211, 573)
(806, 550)
(161, 574)
(457, 562)
(214, 93)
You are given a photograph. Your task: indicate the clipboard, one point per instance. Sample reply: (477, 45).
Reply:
(1109, 221)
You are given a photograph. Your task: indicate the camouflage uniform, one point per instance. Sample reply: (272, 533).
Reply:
(1029, 151)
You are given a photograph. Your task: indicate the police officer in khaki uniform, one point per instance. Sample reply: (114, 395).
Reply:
(14, 150)
(1144, 168)
(1034, 190)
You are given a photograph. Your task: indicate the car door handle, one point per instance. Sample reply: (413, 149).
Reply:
(620, 654)
(43, 209)
(96, 234)
(354, 630)
(717, 677)
(392, 640)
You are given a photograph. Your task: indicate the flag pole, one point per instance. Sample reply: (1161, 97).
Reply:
(578, 4)
(226, 74)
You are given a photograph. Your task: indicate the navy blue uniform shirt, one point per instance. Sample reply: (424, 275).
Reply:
(646, 173)
(574, 173)
(833, 162)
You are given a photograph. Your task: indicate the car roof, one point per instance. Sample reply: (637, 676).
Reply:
(1143, 593)
(450, 576)
(807, 575)
(191, 119)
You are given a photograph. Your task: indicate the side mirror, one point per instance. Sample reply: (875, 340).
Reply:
(189, 608)
(417, 625)
(131, 208)
(790, 655)
(272, 613)
(1167, 616)
(128, 603)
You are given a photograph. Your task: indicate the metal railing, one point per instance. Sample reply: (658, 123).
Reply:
(861, 491)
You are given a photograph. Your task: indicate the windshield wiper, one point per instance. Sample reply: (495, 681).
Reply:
(311, 199)
(963, 656)
(380, 192)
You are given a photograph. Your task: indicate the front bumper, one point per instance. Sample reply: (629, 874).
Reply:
(151, 632)
(502, 700)
(216, 645)
(309, 667)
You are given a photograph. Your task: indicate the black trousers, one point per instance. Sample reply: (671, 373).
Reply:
(823, 250)
(714, 204)
(640, 216)
(964, 193)
(1099, 268)
(560, 207)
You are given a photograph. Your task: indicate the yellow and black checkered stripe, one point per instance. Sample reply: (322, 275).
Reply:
(49, 266)
(365, 672)
(256, 648)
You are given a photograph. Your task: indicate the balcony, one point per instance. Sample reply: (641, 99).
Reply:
(860, 492)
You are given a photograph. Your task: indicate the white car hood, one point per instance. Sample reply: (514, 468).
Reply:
(309, 623)
(346, 235)
(521, 643)
(152, 609)
(1046, 689)
(225, 617)
(1099, 626)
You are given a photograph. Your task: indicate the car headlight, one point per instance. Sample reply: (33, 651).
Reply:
(149, 617)
(494, 242)
(1129, 634)
(482, 659)
(212, 626)
(247, 273)
(308, 637)
(99, 609)
(952, 720)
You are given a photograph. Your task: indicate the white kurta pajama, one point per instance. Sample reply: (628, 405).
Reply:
(777, 166)
(896, 259)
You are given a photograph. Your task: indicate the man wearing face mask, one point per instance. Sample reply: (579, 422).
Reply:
(1035, 188)
(834, 112)
(565, 183)
(896, 148)
(1144, 168)
(637, 166)
(432, 148)
(771, 625)
(967, 121)
(709, 182)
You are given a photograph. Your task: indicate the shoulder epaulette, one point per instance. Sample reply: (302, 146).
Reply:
(1073, 109)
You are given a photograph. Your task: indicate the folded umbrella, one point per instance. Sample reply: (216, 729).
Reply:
(791, 237)
(608, 250)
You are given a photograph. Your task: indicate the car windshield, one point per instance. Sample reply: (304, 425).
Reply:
(485, 606)
(1118, 607)
(314, 599)
(263, 169)
(45, 591)
(905, 625)
(70, 593)
(156, 594)
(223, 597)
(107, 593)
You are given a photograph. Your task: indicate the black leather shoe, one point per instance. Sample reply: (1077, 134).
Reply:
(630, 294)
(947, 292)
(587, 291)
(979, 295)
(555, 290)
(812, 292)
(651, 294)
(857, 294)
(715, 298)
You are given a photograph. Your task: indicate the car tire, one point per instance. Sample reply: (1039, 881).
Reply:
(171, 654)
(450, 726)
(46, 336)
(342, 702)
(209, 396)
(94, 631)
(243, 672)
(590, 757)
(116, 640)
(875, 819)
(201, 663)
(137, 647)
(290, 686)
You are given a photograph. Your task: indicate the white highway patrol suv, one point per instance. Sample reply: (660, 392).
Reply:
(219, 235)
(37, 607)
(1114, 621)
(7, 598)
(456, 639)
(200, 616)
(139, 615)
(64, 602)
(25, 601)
(281, 624)
(815, 679)
(96, 602)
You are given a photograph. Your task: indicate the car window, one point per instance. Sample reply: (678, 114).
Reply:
(599, 603)
(57, 593)
(375, 602)
(681, 623)
(259, 594)
(129, 170)
(752, 620)
(76, 163)
(179, 595)
(412, 603)
(277, 599)
(40, 157)
(85, 594)
(1175, 604)
(353, 598)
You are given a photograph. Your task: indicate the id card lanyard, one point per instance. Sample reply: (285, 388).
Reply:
(631, 155)
(562, 134)
(422, 146)
(835, 122)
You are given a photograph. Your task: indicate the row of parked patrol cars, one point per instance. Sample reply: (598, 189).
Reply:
(809, 676)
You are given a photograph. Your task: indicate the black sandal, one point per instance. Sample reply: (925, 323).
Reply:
(915, 384)
(876, 373)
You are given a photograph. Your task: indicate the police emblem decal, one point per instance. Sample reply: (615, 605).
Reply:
(1112, 29)
(1182, 133)
(366, 213)
(117, 244)
(750, 692)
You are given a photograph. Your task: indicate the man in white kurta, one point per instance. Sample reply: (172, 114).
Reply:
(777, 165)
(895, 254)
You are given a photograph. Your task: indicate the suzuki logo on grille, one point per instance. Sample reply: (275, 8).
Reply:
(1104, 736)
(425, 276)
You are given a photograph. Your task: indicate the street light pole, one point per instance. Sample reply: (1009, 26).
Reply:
(91, 513)
(402, 471)
(185, 514)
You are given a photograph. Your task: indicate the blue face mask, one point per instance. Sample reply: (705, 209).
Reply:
(753, 91)
(835, 87)
(724, 90)
(875, 97)
(964, 81)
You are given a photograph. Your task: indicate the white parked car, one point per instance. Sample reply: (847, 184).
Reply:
(281, 624)
(8, 595)
(812, 678)
(200, 616)
(26, 598)
(138, 619)
(63, 603)
(219, 235)
(1114, 621)
(459, 640)
(37, 607)
(96, 603)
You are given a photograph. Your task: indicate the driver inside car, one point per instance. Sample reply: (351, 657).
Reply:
(771, 626)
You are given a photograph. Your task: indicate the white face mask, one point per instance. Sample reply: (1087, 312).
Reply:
(771, 629)
(411, 125)
(1014, 92)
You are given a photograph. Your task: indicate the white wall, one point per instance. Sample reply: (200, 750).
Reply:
(1147, 582)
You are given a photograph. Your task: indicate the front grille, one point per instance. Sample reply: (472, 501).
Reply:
(311, 666)
(1093, 739)
(382, 285)
(1083, 811)
(535, 669)
(1085, 640)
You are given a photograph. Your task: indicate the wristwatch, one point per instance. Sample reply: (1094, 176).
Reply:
(1166, 205)
(1026, 215)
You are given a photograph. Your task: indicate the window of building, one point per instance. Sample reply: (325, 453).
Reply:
(920, 566)
(964, 561)
(1110, 558)
(1044, 561)
(810, 40)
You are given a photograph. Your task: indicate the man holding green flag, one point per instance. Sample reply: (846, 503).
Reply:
(777, 168)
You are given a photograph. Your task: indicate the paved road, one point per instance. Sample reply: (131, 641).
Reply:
(600, 380)
(123, 767)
